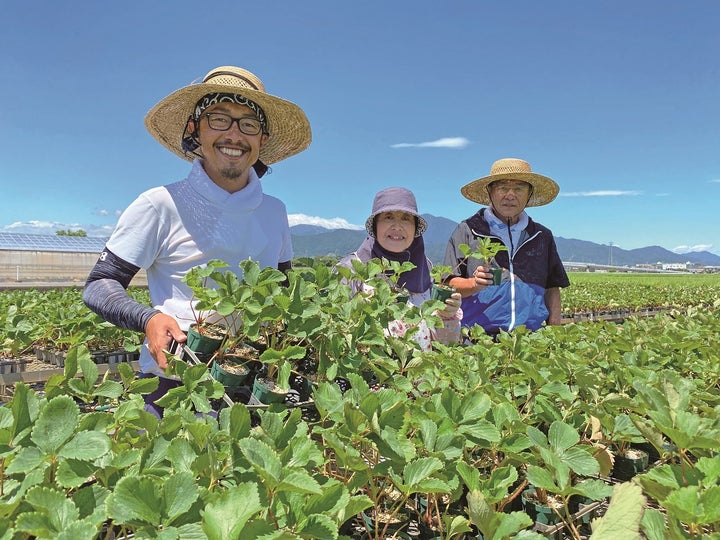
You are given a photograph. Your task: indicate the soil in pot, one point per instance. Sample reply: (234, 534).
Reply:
(394, 526)
(547, 512)
(267, 393)
(228, 372)
(631, 462)
(206, 340)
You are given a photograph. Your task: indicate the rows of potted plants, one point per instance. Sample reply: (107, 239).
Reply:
(49, 323)
(453, 439)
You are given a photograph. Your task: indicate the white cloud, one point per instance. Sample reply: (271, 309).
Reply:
(715, 181)
(601, 193)
(334, 223)
(447, 142)
(692, 249)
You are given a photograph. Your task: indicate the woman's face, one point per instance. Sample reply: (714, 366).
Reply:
(395, 230)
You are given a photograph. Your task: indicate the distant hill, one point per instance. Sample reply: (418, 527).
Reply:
(313, 241)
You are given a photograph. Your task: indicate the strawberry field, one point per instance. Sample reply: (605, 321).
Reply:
(472, 440)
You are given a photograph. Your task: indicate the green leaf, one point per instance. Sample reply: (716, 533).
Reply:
(541, 478)
(653, 524)
(72, 473)
(319, 527)
(61, 510)
(623, 516)
(135, 500)
(90, 501)
(298, 482)
(263, 458)
(333, 497)
(581, 461)
(78, 531)
(36, 524)
(562, 436)
(418, 470)
(56, 424)
(86, 445)
(26, 460)
(180, 492)
(108, 389)
(226, 516)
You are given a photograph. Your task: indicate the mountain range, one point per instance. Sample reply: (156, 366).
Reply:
(314, 241)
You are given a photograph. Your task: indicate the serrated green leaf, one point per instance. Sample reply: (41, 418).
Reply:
(90, 501)
(72, 473)
(318, 527)
(80, 386)
(55, 424)
(135, 500)
(561, 436)
(653, 524)
(35, 523)
(541, 478)
(262, 457)
(86, 445)
(108, 389)
(481, 431)
(298, 482)
(179, 492)
(332, 498)
(226, 516)
(416, 471)
(80, 530)
(60, 510)
(623, 516)
(25, 460)
(581, 461)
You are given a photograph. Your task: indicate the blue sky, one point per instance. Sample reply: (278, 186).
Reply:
(618, 101)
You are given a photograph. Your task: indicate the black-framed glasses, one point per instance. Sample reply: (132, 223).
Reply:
(223, 122)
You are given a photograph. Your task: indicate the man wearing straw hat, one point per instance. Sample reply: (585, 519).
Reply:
(231, 130)
(529, 291)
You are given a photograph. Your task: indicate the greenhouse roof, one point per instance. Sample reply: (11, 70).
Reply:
(48, 242)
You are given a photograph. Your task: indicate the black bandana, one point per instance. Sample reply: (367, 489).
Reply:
(222, 97)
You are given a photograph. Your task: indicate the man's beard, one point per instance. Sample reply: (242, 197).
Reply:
(232, 173)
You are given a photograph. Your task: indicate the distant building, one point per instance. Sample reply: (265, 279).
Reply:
(676, 266)
(45, 257)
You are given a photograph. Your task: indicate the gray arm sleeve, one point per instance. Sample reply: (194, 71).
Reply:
(105, 293)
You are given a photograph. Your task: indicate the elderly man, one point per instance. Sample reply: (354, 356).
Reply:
(533, 274)
(231, 130)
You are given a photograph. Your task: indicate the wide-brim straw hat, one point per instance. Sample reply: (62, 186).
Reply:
(287, 124)
(544, 189)
(395, 199)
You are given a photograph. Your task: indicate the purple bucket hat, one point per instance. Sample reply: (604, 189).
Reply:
(395, 199)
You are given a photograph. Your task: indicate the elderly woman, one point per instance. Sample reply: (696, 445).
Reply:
(395, 232)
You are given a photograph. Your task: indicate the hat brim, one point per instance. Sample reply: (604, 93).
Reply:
(419, 230)
(544, 189)
(288, 126)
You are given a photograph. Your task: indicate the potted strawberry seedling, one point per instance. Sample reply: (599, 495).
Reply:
(486, 252)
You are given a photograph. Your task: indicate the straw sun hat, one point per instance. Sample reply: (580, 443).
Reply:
(287, 124)
(544, 188)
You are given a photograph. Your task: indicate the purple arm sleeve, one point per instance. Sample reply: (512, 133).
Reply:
(105, 293)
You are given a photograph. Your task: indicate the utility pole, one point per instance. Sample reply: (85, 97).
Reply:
(611, 245)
